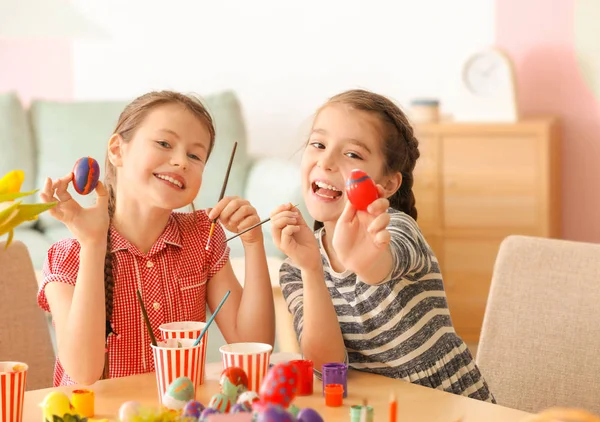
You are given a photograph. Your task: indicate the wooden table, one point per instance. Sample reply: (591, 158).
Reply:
(415, 403)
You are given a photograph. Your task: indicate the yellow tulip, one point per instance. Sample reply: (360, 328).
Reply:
(12, 212)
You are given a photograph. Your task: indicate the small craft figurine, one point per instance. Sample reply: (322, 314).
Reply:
(361, 189)
(179, 393)
(86, 173)
(234, 381)
(221, 402)
(280, 385)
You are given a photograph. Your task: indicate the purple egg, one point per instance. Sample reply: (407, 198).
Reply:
(309, 415)
(193, 409)
(275, 413)
(206, 413)
(240, 408)
(86, 173)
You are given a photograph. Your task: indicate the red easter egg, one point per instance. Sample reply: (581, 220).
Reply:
(280, 385)
(361, 189)
(86, 173)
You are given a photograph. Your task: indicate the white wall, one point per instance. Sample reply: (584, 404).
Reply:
(283, 58)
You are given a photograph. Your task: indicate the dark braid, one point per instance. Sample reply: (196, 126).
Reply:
(400, 147)
(109, 282)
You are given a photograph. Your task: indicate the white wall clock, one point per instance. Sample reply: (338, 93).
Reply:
(487, 90)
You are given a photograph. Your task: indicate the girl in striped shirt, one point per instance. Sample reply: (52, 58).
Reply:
(365, 287)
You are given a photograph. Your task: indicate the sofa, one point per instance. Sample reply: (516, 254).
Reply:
(46, 138)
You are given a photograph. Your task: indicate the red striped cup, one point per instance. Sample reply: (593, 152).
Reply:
(13, 376)
(253, 358)
(188, 329)
(174, 358)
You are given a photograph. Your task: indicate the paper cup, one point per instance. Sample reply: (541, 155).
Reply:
(172, 362)
(13, 376)
(253, 358)
(188, 329)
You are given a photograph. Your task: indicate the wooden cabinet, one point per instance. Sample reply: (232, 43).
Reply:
(475, 184)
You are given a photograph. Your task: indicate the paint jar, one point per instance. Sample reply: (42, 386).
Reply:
(83, 402)
(305, 376)
(334, 395)
(335, 373)
(424, 110)
(355, 412)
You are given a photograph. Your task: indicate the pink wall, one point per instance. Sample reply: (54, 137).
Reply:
(37, 68)
(540, 38)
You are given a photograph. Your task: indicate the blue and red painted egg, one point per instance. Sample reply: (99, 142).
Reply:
(86, 173)
(280, 385)
(361, 189)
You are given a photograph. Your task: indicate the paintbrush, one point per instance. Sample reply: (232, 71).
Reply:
(251, 227)
(214, 222)
(146, 319)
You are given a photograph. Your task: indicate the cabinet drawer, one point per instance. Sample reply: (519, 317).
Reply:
(490, 182)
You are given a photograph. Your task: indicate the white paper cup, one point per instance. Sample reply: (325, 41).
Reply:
(253, 358)
(172, 362)
(188, 329)
(13, 376)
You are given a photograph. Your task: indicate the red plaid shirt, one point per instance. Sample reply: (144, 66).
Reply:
(171, 277)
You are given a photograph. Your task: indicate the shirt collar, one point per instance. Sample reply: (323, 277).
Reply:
(170, 236)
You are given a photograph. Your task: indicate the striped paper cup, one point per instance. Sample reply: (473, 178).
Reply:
(13, 376)
(188, 329)
(174, 358)
(253, 358)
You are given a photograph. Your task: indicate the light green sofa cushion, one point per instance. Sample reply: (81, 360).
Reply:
(17, 151)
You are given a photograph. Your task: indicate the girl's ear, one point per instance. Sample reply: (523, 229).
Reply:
(392, 183)
(115, 150)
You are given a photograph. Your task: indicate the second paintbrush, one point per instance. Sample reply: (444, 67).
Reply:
(260, 223)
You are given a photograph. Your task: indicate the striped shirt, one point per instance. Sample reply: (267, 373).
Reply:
(400, 328)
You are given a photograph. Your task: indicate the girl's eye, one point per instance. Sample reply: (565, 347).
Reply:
(164, 144)
(317, 145)
(194, 157)
(353, 155)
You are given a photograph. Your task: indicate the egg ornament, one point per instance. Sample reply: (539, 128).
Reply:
(192, 409)
(361, 190)
(274, 413)
(233, 382)
(179, 393)
(129, 411)
(309, 415)
(55, 403)
(86, 173)
(221, 402)
(280, 385)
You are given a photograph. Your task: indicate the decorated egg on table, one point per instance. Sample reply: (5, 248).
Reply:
(221, 402)
(86, 173)
(274, 413)
(193, 409)
(233, 382)
(309, 415)
(129, 411)
(240, 408)
(248, 397)
(280, 384)
(179, 393)
(206, 413)
(361, 189)
(55, 403)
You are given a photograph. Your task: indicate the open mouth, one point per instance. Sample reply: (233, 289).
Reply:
(171, 180)
(326, 190)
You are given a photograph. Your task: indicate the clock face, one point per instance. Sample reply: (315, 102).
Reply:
(485, 73)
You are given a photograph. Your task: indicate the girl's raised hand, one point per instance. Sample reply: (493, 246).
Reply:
(236, 214)
(88, 225)
(361, 236)
(294, 238)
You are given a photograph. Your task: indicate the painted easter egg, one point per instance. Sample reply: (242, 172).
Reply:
(361, 189)
(207, 413)
(309, 415)
(280, 384)
(240, 408)
(248, 397)
(221, 402)
(193, 409)
(55, 403)
(233, 382)
(274, 413)
(129, 411)
(179, 393)
(86, 173)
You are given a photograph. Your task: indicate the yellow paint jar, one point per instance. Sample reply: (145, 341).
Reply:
(83, 402)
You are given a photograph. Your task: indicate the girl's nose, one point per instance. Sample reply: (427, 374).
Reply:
(179, 160)
(326, 162)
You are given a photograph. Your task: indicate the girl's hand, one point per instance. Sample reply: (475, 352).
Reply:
(88, 225)
(236, 214)
(294, 238)
(361, 236)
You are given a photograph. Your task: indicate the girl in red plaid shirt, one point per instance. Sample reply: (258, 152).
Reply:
(132, 239)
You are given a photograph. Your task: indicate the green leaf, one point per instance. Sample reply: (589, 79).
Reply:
(56, 418)
(5, 197)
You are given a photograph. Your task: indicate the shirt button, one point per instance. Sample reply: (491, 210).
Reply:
(149, 264)
(156, 306)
